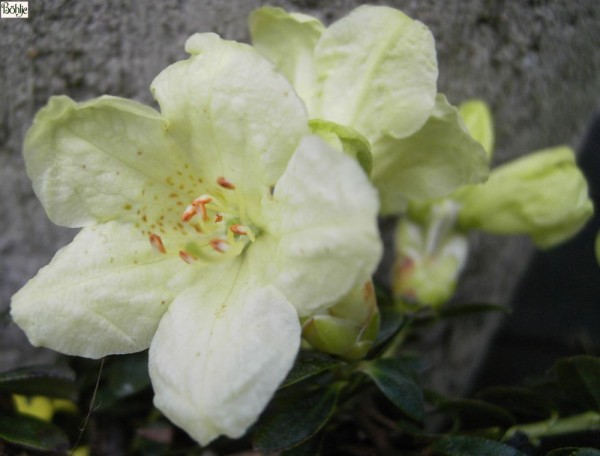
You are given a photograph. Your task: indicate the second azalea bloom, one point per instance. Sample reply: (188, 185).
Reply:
(209, 229)
(375, 71)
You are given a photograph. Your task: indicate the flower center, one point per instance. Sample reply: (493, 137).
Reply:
(215, 226)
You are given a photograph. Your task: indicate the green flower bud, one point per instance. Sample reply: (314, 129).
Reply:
(347, 329)
(478, 120)
(429, 257)
(543, 195)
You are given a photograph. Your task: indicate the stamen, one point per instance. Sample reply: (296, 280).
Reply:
(218, 218)
(157, 243)
(200, 203)
(225, 183)
(219, 245)
(239, 229)
(187, 257)
(189, 212)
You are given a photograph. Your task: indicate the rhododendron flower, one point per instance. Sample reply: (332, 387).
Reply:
(375, 71)
(209, 228)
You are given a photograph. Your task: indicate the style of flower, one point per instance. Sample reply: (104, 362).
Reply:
(209, 228)
(375, 71)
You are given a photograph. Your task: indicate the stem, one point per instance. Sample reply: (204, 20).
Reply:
(588, 421)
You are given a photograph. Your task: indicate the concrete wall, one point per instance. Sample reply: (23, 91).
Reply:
(536, 62)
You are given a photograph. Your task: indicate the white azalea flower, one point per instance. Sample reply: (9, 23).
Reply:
(208, 229)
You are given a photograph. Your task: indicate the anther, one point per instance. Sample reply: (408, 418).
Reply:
(218, 218)
(189, 212)
(225, 183)
(219, 245)
(187, 257)
(157, 243)
(200, 203)
(239, 229)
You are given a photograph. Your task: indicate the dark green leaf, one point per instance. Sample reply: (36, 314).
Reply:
(128, 374)
(296, 421)
(391, 323)
(523, 402)
(574, 452)
(309, 364)
(579, 379)
(474, 414)
(472, 446)
(51, 381)
(32, 433)
(397, 383)
(311, 447)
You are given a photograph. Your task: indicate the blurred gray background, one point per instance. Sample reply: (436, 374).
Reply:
(536, 62)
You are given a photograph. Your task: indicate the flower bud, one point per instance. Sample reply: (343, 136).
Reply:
(347, 329)
(543, 195)
(429, 257)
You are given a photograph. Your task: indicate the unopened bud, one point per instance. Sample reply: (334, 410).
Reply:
(543, 195)
(429, 257)
(347, 329)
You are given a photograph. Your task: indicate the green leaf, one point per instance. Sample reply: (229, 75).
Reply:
(468, 446)
(474, 414)
(51, 381)
(308, 364)
(391, 322)
(311, 447)
(579, 379)
(396, 382)
(296, 421)
(128, 374)
(574, 452)
(523, 402)
(32, 433)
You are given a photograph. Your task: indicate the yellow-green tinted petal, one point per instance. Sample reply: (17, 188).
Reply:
(543, 195)
(324, 218)
(345, 139)
(102, 294)
(433, 162)
(229, 106)
(378, 71)
(477, 117)
(220, 353)
(93, 161)
(288, 39)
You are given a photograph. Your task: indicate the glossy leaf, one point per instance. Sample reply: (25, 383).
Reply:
(471, 413)
(308, 364)
(32, 433)
(297, 421)
(520, 401)
(390, 324)
(396, 382)
(51, 381)
(462, 446)
(579, 378)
